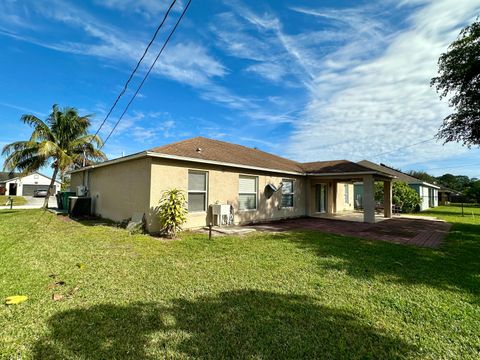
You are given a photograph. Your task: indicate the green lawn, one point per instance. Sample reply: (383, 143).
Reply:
(17, 200)
(290, 295)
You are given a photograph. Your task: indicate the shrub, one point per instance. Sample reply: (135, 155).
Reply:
(172, 212)
(402, 194)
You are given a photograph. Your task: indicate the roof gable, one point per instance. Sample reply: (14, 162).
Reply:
(334, 167)
(19, 176)
(208, 151)
(6, 175)
(219, 151)
(400, 175)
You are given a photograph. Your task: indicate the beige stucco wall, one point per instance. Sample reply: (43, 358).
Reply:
(335, 196)
(223, 188)
(118, 190)
(341, 204)
(76, 179)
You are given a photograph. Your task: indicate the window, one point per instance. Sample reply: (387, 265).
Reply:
(247, 192)
(287, 193)
(197, 191)
(346, 193)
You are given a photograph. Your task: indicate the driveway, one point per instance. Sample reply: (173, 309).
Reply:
(34, 203)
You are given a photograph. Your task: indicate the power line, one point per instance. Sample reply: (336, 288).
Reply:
(148, 72)
(403, 147)
(453, 167)
(136, 67)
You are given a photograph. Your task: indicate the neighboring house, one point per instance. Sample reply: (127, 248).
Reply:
(428, 192)
(26, 185)
(446, 195)
(217, 172)
(4, 177)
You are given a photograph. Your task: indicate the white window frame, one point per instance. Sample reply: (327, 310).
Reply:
(248, 193)
(198, 191)
(292, 193)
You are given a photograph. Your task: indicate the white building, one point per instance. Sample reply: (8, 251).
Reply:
(428, 192)
(26, 185)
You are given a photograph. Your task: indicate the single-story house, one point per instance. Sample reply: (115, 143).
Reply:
(257, 186)
(446, 195)
(428, 192)
(13, 184)
(4, 177)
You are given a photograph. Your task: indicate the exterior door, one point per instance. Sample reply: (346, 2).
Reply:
(12, 189)
(321, 198)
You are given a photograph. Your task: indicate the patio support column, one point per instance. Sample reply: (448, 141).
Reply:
(387, 199)
(368, 199)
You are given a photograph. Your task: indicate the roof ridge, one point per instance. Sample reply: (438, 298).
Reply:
(227, 143)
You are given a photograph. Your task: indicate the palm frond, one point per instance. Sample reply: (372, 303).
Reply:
(63, 138)
(41, 131)
(15, 146)
(48, 149)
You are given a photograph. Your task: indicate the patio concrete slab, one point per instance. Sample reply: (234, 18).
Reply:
(423, 232)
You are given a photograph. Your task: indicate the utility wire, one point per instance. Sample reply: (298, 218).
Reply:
(453, 167)
(136, 68)
(403, 147)
(148, 72)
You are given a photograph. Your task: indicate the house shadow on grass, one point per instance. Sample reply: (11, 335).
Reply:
(235, 324)
(456, 265)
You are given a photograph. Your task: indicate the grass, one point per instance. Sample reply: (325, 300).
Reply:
(289, 295)
(17, 200)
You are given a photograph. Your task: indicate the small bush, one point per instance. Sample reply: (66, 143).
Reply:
(172, 212)
(402, 194)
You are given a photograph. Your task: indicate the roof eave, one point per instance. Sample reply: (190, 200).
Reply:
(353, 173)
(111, 162)
(221, 163)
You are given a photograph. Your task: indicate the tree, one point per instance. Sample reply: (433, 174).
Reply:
(423, 175)
(454, 182)
(459, 78)
(473, 191)
(172, 211)
(62, 141)
(402, 194)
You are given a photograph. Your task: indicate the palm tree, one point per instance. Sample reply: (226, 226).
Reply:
(61, 140)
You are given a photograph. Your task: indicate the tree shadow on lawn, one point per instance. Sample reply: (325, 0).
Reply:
(467, 212)
(456, 265)
(235, 324)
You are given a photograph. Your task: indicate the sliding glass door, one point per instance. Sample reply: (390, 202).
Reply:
(321, 198)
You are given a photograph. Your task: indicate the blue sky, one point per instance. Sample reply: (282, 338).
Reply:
(310, 80)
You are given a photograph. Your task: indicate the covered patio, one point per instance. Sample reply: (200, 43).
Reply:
(324, 193)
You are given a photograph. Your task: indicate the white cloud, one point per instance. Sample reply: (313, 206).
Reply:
(270, 71)
(23, 109)
(373, 95)
(190, 63)
(185, 62)
(147, 8)
(246, 35)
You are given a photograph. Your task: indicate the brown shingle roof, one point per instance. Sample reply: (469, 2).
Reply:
(221, 151)
(334, 167)
(400, 175)
(215, 150)
(200, 148)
